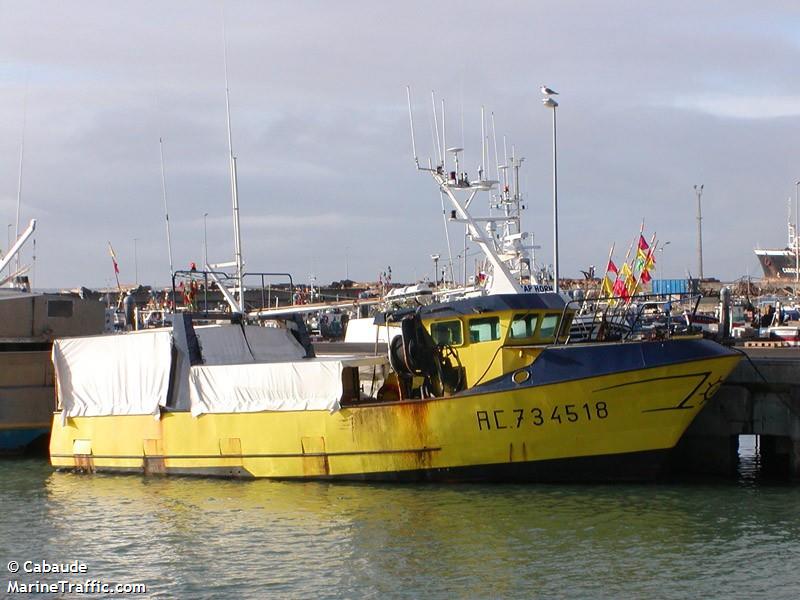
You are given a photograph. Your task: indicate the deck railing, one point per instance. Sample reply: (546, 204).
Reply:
(643, 316)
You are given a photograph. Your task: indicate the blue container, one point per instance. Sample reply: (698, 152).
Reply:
(670, 286)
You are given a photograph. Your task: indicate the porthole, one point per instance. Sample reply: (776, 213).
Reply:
(521, 376)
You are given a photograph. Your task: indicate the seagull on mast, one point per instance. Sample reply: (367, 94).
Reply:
(547, 91)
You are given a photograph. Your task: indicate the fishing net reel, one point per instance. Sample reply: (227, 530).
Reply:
(414, 353)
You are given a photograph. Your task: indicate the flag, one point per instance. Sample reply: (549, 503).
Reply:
(629, 281)
(607, 286)
(650, 264)
(642, 252)
(641, 261)
(113, 258)
(620, 290)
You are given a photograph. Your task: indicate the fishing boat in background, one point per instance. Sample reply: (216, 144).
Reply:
(29, 321)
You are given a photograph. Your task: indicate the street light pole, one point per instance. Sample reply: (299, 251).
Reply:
(205, 241)
(698, 189)
(8, 235)
(549, 102)
(136, 260)
(796, 249)
(663, 267)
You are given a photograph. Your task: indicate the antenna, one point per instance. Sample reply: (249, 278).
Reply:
(166, 210)
(411, 119)
(463, 145)
(444, 139)
(436, 126)
(496, 158)
(483, 144)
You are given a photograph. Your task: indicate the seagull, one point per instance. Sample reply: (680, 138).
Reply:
(547, 91)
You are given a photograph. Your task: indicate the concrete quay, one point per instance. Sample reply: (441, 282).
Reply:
(761, 397)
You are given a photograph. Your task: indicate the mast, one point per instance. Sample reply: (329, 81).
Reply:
(502, 279)
(237, 238)
(166, 210)
(498, 236)
(19, 173)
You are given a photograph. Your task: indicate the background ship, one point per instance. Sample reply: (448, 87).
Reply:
(782, 263)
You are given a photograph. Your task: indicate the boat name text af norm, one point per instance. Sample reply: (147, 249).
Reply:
(560, 415)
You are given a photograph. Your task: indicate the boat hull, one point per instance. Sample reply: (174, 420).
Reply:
(27, 399)
(778, 264)
(593, 427)
(18, 440)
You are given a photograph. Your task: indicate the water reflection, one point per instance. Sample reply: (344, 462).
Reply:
(208, 538)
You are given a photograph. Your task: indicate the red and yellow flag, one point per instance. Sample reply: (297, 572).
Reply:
(608, 286)
(113, 258)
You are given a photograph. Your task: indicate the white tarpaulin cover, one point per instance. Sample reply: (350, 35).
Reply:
(226, 345)
(126, 374)
(311, 384)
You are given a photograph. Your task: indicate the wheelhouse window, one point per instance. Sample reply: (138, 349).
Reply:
(447, 333)
(523, 326)
(485, 329)
(549, 326)
(59, 308)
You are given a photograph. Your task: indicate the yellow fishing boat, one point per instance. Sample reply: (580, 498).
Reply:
(475, 389)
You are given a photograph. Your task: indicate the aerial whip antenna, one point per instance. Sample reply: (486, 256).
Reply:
(411, 119)
(496, 157)
(444, 139)
(436, 126)
(483, 144)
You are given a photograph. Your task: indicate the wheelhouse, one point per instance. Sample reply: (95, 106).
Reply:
(494, 335)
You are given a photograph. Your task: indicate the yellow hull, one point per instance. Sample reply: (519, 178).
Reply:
(606, 427)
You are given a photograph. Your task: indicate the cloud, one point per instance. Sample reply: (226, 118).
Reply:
(653, 100)
(741, 106)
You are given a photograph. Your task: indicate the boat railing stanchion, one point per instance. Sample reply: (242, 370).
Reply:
(262, 291)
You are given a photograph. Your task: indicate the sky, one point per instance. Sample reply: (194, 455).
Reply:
(654, 99)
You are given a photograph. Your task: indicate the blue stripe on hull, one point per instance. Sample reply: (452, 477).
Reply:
(558, 364)
(13, 441)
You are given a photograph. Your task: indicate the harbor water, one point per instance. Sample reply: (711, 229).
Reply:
(202, 538)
